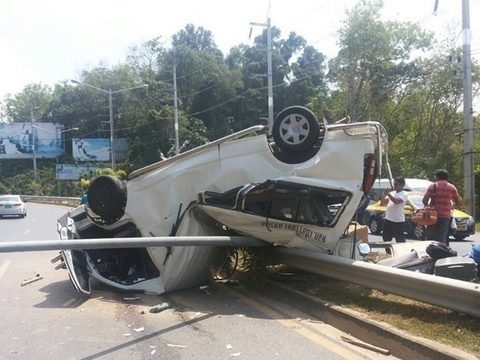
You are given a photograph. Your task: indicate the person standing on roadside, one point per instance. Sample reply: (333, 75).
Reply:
(395, 200)
(442, 196)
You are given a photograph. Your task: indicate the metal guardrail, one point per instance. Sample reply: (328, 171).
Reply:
(68, 201)
(449, 293)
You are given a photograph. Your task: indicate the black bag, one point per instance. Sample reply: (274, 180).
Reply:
(457, 267)
(440, 251)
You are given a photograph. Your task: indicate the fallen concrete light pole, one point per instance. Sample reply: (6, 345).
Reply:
(117, 243)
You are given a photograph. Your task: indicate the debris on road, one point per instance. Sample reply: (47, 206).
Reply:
(232, 282)
(236, 354)
(36, 277)
(140, 329)
(159, 308)
(177, 346)
(131, 298)
(365, 345)
(204, 288)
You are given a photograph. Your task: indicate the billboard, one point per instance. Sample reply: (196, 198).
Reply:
(93, 149)
(17, 140)
(98, 149)
(74, 171)
(121, 148)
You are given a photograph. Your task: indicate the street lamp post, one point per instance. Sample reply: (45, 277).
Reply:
(110, 107)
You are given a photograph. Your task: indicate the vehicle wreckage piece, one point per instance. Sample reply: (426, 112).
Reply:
(310, 185)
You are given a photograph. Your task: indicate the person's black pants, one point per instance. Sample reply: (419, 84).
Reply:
(392, 230)
(439, 231)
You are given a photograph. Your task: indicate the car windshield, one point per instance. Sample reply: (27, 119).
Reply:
(9, 198)
(295, 202)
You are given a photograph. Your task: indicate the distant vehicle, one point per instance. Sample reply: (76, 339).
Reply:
(299, 187)
(465, 225)
(411, 184)
(12, 205)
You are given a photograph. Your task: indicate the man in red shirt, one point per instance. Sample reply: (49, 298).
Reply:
(442, 196)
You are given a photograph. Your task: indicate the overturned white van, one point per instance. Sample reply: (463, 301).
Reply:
(298, 187)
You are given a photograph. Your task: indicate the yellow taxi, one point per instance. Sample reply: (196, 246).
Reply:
(463, 227)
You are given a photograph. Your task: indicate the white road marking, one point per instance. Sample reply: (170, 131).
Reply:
(69, 302)
(4, 267)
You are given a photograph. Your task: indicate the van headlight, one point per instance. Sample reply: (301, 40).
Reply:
(64, 233)
(470, 221)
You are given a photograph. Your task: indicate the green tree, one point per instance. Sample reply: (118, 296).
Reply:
(33, 99)
(374, 63)
(298, 75)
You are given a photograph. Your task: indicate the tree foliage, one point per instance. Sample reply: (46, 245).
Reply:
(387, 71)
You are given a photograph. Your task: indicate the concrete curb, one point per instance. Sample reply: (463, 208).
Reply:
(400, 344)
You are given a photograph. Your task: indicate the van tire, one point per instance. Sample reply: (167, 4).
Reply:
(295, 130)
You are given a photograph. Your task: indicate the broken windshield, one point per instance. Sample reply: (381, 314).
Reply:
(295, 203)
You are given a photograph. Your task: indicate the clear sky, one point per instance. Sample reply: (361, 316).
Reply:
(49, 41)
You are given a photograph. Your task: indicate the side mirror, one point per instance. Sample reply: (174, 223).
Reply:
(364, 249)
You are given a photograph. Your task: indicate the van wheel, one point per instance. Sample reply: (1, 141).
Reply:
(295, 130)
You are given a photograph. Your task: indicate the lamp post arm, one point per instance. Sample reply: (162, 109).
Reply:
(132, 88)
(89, 85)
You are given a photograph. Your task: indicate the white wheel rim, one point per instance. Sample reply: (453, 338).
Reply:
(294, 129)
(418, 232)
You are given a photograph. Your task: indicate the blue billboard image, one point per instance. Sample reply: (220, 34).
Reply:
(92, 149)
(18, 139)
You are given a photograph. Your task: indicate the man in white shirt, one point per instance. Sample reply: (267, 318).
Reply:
(394, 217)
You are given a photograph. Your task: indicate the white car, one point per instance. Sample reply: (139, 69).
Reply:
(12, 205)
(299, 187)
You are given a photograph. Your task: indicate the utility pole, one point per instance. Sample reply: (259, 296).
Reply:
(34, 155)
(175, 103)
(269, 72)
(110, 107)
(468, 164)
(269, 68)
(112, 132)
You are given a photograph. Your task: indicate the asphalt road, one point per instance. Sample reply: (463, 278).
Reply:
(461, 247)
(46, 319)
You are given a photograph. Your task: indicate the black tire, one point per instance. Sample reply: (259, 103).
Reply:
(107, 198)
(375, 226)
(459, 237)
(295, 130)
(419, 232)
